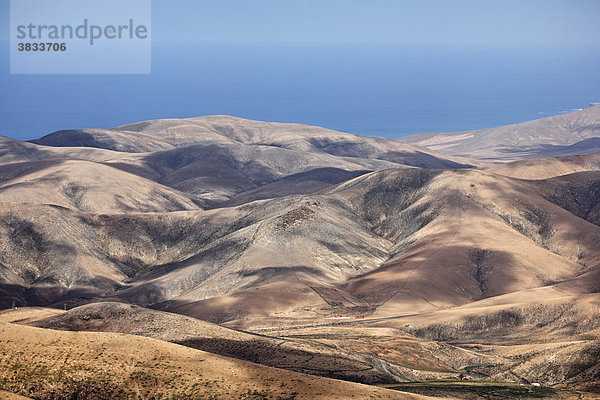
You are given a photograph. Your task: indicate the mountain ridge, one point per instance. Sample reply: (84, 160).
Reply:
(337, 255)
(538, 138)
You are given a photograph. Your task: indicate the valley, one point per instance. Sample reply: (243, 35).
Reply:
(217, 257)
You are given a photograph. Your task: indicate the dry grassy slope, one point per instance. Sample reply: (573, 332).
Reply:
(44, 363)
(124, 318)
(11, 396)
(368, 355)
(549, 335)
(550, 136)
(290, 354)
(500, 340)
(26, 315)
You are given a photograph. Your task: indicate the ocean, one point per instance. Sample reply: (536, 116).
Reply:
(370, 89)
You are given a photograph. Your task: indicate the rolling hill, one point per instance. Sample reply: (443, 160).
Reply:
(216, 158)
(295, 247)
(576, 132)
(110, 365)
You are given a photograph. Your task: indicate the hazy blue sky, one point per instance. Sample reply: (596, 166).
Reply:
(412, 21)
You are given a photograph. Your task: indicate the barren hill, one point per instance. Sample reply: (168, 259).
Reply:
(361, 245)
(110, 365)
(576, 132)
(290, 354)
(301, 237)
(217, 158)
(547, 167)
(87, 186)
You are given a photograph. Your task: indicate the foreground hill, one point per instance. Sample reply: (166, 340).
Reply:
(576, 132)
(46, 363)
(494, 340)
(291, 354)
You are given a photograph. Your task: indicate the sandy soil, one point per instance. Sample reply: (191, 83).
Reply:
(43, 362)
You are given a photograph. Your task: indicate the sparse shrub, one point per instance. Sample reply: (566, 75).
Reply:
(580, 252)
(480, 273)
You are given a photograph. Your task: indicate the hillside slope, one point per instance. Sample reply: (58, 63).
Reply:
(390, 241)
(87, 186)
(576, 132)
(294, 233)
(45, 362)
(216, 158)
(547, 167)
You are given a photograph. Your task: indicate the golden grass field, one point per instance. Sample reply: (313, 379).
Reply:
(44, 363)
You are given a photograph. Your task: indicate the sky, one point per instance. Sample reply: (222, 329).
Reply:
(492, 22)
(213, 57)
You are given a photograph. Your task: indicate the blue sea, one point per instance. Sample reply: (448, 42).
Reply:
(378, 90)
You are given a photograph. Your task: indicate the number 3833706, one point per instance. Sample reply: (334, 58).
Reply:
(41, 46)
